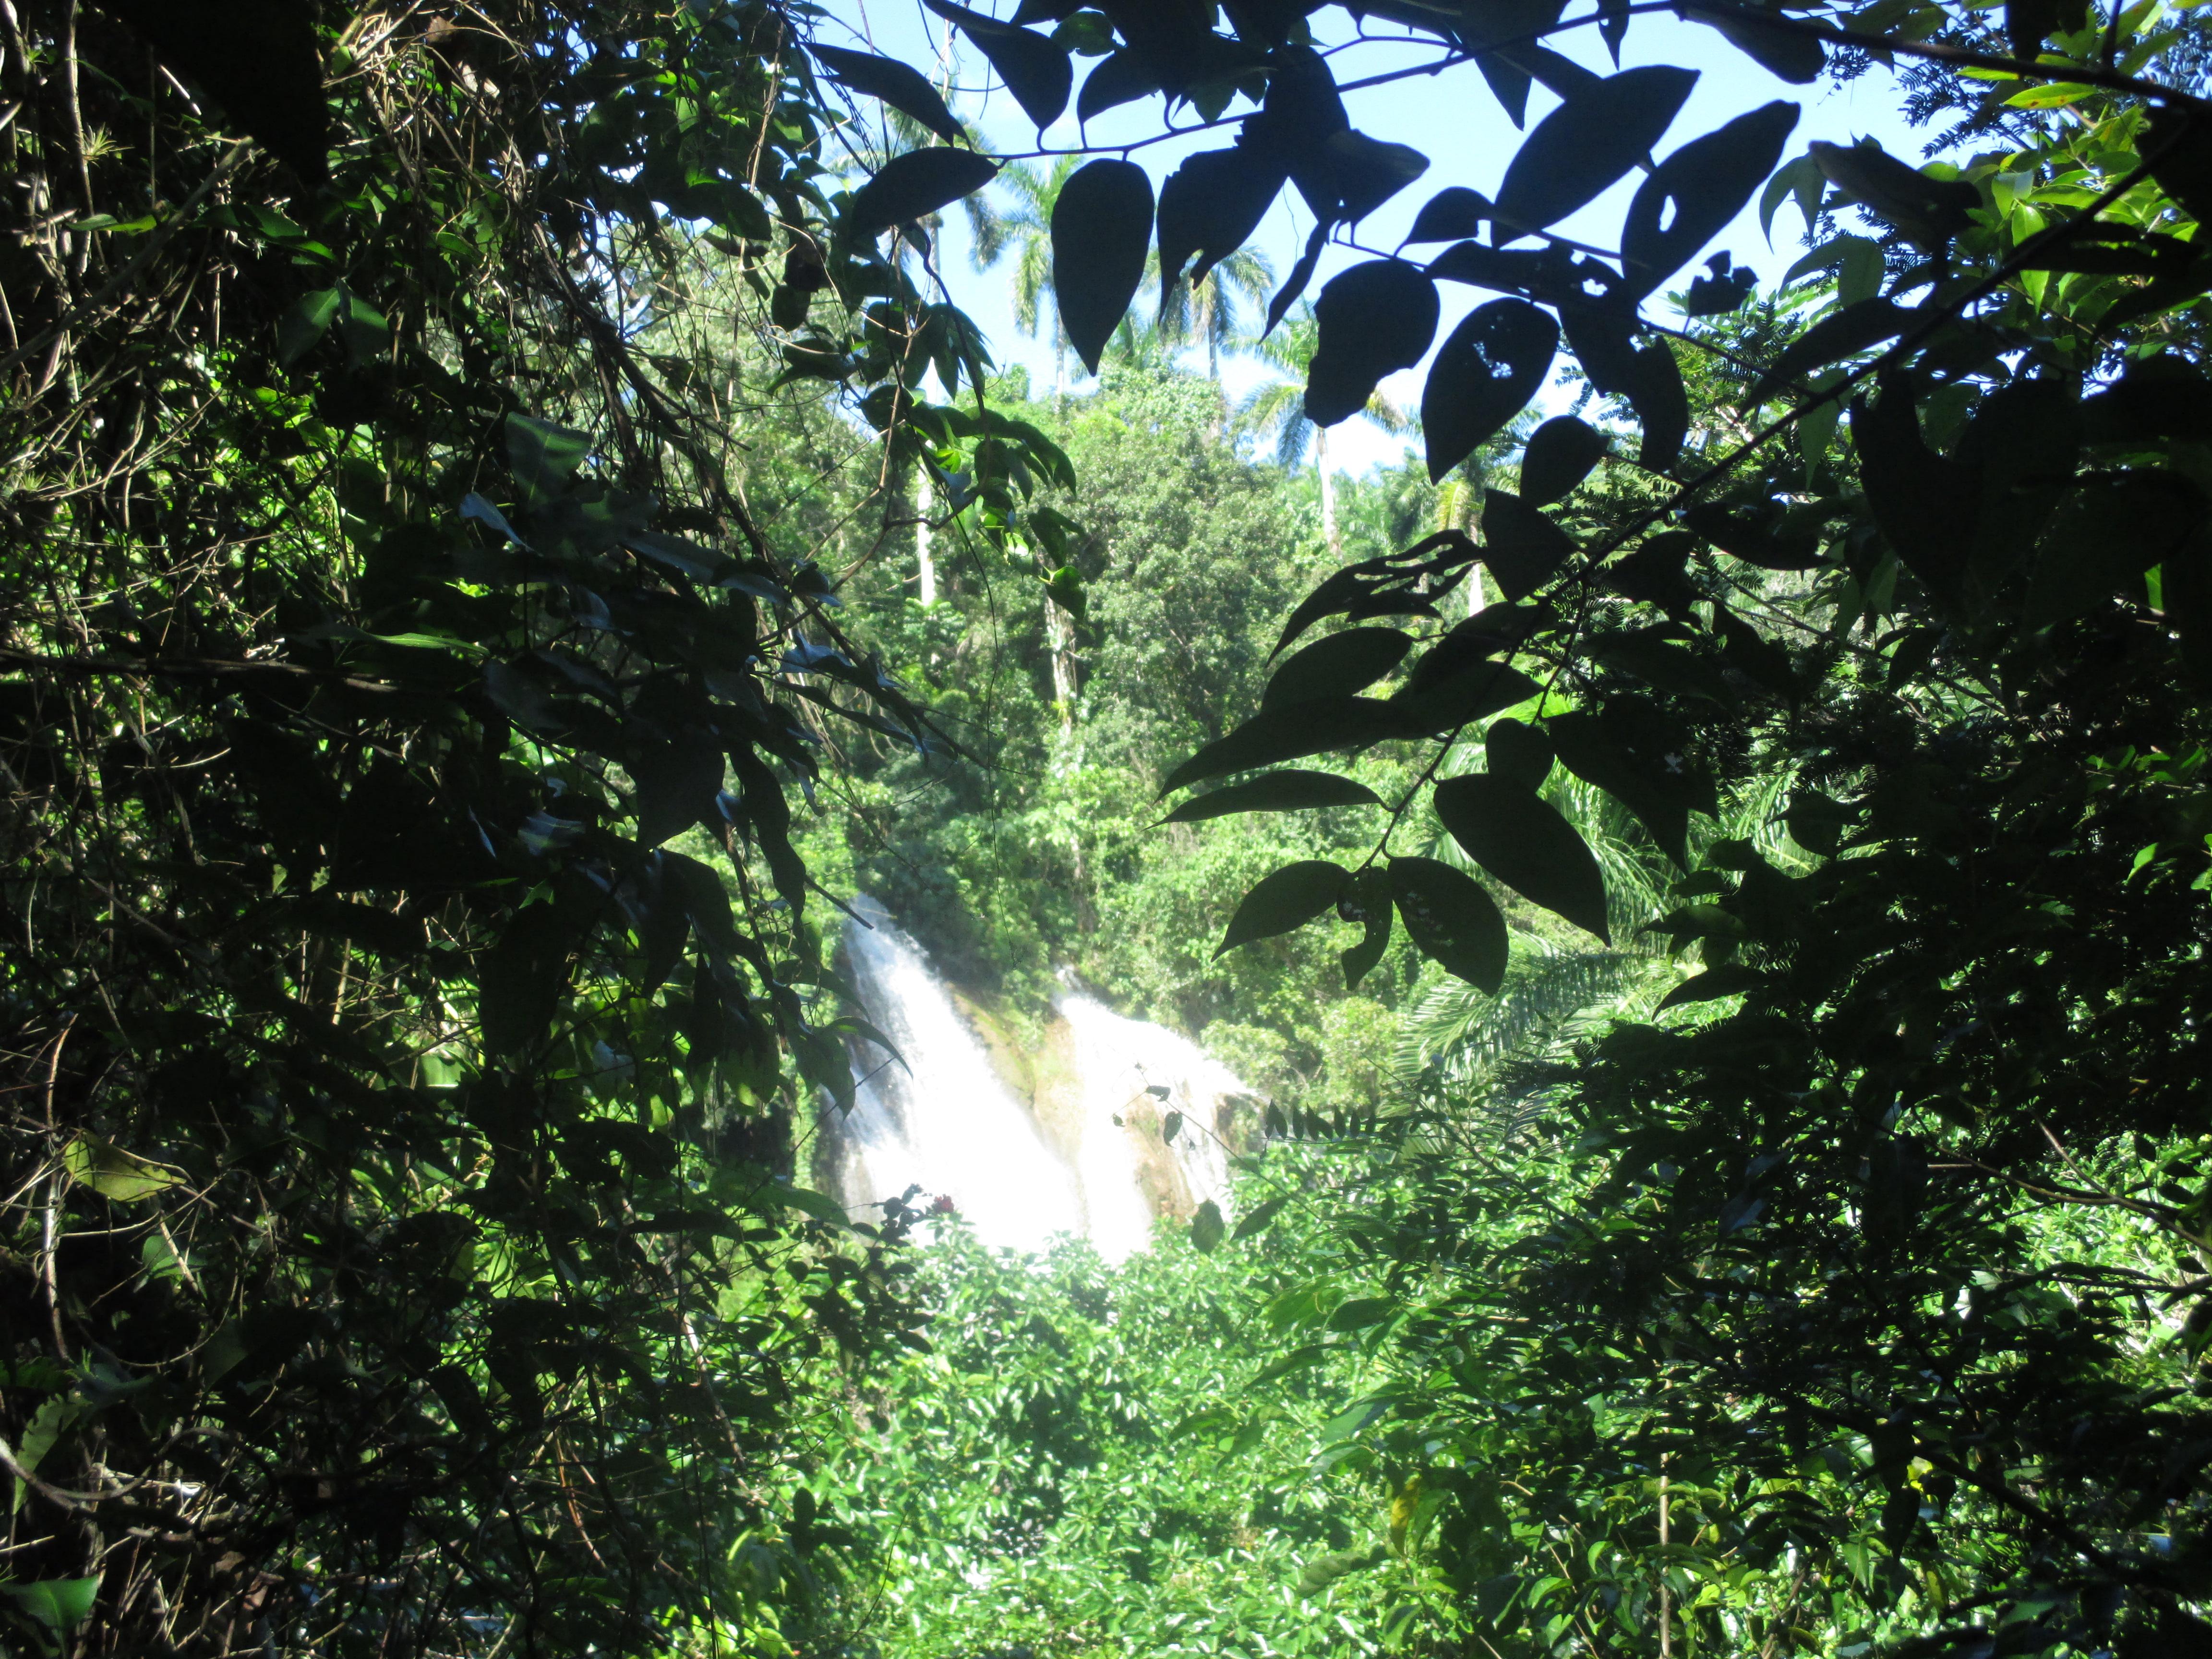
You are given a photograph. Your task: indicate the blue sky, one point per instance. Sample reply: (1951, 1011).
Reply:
(1450, 117)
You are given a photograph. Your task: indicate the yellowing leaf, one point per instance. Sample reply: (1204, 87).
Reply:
(113, 1173)
(2056, 95)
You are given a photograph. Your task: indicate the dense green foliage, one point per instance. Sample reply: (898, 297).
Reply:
(458, 629)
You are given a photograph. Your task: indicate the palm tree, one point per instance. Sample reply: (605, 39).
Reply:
(1026, 232)
(1277, 408)
(1209, 312)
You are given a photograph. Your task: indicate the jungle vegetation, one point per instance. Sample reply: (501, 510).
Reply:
(507, 525)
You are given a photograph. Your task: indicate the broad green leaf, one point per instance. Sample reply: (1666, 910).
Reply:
(113, 1173)
(820, 1205)
(1288, 899)
(1206, 1228)
(543, 456)
(1602, 130)
(1101, 224)
(304, 322)
(1339, 665)
(1374, 319)
(914, 185)
(1521, 839)
(1836, 336)
(60, 1604)
(900, 85)
(1451, 921)
(1038, 72)
(1559, 455)
(1481, 689)
(1523, 548)
(1288, 791)
(1693, 194)
(1484, 374)
(1924, 503)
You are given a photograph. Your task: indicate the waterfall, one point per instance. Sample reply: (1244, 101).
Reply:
(1076, 1147)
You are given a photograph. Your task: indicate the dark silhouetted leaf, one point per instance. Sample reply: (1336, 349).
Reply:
(1633, 761)
(1451, 921)
(1101, 224)
(1693, 194)
(1035, 71)
(1366, 172)
(1655, 390)
(1771, 43)
(1295, 284)
(1521, 839)
(900, 85)
(1206, 1228)
(914, 186)
(1121, 79)
(1923, 502)
(1589, 141)
(1291, 734)
(1257, 1220)
(1560, 456)
(1484, 374)
(1729, 980)
(1480, 689)
(1522, 548)
(1337, 666)
(1288, 791)
(1518, 750)
(1376, 318)
(1300, 113)
(1838, 335)
(1368, 902)
(1210, 205)
(1450, 214)
(2106, 534)
(1289, 898)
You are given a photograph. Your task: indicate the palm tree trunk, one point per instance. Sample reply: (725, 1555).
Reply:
(1328, 531)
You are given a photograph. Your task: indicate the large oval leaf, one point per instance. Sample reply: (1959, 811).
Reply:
(1487, 371)
(1288, 791)
(1290, 734)
(1101, 225)
(1694, 193)
(1120, 79)
(1035, 71)
(900, 85)
(914, 186)
(1521, 839)
(1522, 547)
(1289, 898)
(1451, 213)
(1374, 319)
(1337, 666)
(1560, 456)
(1210, 205)
(1602, 129)
(1451, 921)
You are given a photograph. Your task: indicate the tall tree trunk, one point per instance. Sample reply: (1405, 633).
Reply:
(1059, 368)
(1328, 531)
(1060, 645)
(925, 503)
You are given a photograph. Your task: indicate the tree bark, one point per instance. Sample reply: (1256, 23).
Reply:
(924, 502)
(1328, 531)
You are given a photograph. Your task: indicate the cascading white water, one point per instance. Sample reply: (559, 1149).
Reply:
(949, 1123)
(944, 1122)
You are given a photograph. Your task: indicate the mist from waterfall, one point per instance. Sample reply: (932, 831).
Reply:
(1084, 1153)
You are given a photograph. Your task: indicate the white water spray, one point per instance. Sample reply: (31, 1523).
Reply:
(950, 1124)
